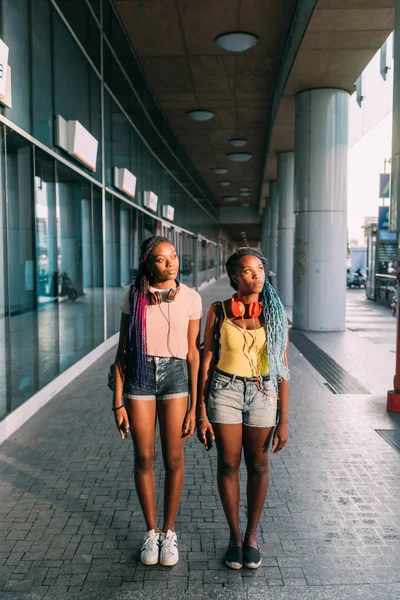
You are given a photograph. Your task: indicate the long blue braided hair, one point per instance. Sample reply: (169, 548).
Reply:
(276, 323)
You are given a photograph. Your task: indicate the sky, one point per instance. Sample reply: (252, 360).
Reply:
(370, 141)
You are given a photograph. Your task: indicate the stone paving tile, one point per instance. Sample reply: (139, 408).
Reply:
(71, 524)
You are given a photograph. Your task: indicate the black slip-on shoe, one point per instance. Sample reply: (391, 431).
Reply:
(252, 557)
(234, 557)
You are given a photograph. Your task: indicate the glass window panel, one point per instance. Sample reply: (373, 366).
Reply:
(22, 268)
(124, 233)
(42, 85)
(16, 36)
(47, 252)
(76, 86)
(98, 277)
(187, 259)
(95, 4)
(4, 320)
(114, 291)
(76, 264)
(108, 138)
(81, 21)
(119, 259)
(202, 261)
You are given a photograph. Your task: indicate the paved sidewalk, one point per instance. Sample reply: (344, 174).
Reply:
(71, 525)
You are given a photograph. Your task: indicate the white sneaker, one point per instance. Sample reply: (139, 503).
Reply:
(169, 554)
(150, 549)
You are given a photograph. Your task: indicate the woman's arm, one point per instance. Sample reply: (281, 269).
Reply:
(121, 416)
(281, 433)
(193, 362)
(207, 367)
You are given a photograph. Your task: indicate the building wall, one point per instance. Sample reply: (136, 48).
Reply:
(69, 240)
(370, 140)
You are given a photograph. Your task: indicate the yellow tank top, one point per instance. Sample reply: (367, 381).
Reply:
(243, 352)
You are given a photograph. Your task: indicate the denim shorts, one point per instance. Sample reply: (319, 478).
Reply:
(234, 401)
(167, 379)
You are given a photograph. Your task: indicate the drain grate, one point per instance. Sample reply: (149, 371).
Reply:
(391, 436)
(338, 380)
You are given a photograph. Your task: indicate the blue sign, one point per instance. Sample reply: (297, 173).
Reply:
(383, 218)
(384, 185)
(387, 236)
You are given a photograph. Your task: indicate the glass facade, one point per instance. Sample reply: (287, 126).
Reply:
(69, 240)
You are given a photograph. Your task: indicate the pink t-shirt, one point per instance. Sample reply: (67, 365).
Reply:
(186, 307)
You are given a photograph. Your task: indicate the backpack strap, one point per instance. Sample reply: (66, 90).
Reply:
(217, 325)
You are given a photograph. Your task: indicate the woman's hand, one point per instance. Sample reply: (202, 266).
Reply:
(202, 427)
(189, 424)
(281, 435)
(122, 421)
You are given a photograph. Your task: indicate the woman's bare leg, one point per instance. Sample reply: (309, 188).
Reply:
(142, 420)
(171, 416)
(255, 444)
(229, 446)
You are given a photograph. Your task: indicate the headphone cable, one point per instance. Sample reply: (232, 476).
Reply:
(168, 319)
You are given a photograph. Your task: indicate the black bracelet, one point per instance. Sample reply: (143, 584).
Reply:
(117, 408)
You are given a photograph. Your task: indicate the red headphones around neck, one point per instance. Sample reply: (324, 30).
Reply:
(239, 309)
(155, 296)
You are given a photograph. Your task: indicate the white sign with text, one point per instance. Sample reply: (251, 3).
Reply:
(3, 69)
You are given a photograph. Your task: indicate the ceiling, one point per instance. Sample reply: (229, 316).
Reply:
(175, 43)
(341, 39)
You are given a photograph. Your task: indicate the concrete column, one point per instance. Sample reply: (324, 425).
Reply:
(395, 162)
(393, 396)
(273, 229)
(319, 284)
(285, 183)
(264, 233)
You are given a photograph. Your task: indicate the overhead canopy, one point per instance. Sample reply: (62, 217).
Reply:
(175, 43)
(340, 40)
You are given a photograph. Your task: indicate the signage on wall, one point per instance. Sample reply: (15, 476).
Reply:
(383, 225)
(384, 185)
(150, 201)
(168, 212)
(3, 69)
(72, 137)
(383, 218)
(82, 144)
(5, 76)
(125, 181)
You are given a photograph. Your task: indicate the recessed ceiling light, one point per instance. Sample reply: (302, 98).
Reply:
(244, 188)
(229, 198)
(200, 115)
(236, 41)
(238, 142)
(239, 156)
(219, 171)
(224, 183)
(246, 205)
(245, 193)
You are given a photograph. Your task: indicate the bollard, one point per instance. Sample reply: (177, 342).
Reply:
(393, 396)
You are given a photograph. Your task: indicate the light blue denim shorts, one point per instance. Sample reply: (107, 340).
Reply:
(167, 378)
(233, 401)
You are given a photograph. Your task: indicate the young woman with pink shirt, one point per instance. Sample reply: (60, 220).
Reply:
(156, 367)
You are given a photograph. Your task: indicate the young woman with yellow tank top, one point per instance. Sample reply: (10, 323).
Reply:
(242, 377)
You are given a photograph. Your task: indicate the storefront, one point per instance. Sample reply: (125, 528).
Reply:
(382, 260)
(70, 232)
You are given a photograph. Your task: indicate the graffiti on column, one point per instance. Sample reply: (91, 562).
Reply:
(300, 260)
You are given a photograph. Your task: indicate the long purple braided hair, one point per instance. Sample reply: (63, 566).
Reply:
(139, 300)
